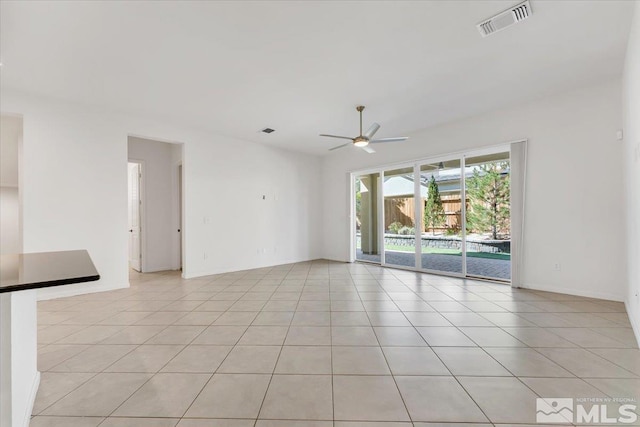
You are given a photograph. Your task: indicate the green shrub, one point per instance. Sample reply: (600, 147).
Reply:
(452, 230)
(407, 231)
(395, 227)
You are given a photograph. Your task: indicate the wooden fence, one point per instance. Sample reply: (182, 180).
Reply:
(401, 209)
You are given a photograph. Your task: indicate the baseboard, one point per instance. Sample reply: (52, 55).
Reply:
(634, 323)
(573, 291)
(192, 275)
(71, 290)
(32, 400)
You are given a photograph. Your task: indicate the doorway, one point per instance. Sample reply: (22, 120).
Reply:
(156, 205)
(367, 218)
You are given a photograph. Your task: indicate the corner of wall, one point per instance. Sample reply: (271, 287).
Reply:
(32, 399)
(631, 111)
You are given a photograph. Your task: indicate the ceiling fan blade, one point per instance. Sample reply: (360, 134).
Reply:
(371, 131)
(340, 146)
(396, 139)
(369, 149)
(336, 136)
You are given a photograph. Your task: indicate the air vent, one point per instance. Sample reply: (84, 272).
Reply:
(267, 130)
(505, 19)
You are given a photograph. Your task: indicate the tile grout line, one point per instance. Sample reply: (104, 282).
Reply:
(276, 364)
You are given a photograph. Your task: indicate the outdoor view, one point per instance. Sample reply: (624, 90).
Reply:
(488, 216)
(399, 225)
(488, 240)
(366, 194)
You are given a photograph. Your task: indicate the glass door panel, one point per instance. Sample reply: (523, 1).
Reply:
(488, 242)
(442, 212)
(399, 217)
(367, 217)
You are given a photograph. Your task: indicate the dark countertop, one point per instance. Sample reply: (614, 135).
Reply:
(45, 269)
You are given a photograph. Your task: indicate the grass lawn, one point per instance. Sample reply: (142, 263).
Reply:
(455, 252)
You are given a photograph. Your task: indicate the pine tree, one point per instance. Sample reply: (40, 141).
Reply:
(434, 215)
(488, 191)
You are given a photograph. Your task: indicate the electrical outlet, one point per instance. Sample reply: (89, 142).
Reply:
(557, 266)
(204, 255)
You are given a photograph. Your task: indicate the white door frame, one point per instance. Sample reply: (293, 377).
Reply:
(142, 212)
(143, 221)
(180, 216)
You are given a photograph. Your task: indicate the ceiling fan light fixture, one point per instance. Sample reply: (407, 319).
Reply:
(364, 139)
(361, 142)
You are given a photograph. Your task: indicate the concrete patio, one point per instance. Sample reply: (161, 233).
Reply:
(485, 267)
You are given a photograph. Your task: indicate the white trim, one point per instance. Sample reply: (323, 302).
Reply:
(489, 149)
(352, 217)
(250, 267)
(463, 214)
(634, 326)
(143, 214)
(574, 291)
(380, 217)
(419, 219)
(32, 399)
(153, 139)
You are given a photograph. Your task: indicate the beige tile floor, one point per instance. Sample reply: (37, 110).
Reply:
(324, 344)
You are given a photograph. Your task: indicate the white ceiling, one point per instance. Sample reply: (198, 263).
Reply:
(301, 67)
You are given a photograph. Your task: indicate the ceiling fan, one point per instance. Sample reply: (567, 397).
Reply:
(364, 139)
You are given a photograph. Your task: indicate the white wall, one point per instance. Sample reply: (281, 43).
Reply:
(19, 378)
(10, 141)
(159, 203)
(75, 192)
(10, 137)
(9, 221)
(574, 207)
(631, 106)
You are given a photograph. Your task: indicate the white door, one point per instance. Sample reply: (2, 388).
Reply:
(180, 215)
(135, 254)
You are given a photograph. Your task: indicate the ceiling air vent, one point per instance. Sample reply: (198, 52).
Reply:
(505, 19)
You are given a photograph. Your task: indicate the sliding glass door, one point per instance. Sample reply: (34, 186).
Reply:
(399, 217)
(367, 217)
(488, 216)
(449, 215)
(442, 232)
